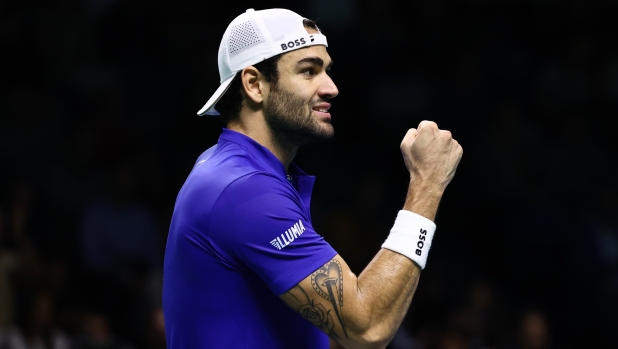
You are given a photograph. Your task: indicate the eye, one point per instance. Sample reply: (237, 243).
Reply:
(308, 71)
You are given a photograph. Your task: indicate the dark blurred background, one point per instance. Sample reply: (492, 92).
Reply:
(98, 132)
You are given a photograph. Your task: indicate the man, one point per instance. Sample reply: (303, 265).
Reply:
(244, 267)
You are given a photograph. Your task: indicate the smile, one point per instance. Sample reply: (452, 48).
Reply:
(321, 107)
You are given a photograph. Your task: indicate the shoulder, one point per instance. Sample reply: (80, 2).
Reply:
(216, 169)
(256, 183)
(256, 193)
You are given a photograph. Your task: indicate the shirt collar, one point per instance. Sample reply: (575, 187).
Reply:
(301, 182)
(261, 153)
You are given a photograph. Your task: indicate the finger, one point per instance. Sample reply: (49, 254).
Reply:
(446, 134)
(411, 133)
(409, 137)
(427, 123)
(459, 150)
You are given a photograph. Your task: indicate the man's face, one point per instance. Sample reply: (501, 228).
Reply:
(296, 108)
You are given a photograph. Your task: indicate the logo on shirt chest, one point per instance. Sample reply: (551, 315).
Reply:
(288, 236)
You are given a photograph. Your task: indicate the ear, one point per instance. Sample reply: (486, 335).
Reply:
(254, 85)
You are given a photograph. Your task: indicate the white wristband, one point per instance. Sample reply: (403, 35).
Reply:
(411, 236)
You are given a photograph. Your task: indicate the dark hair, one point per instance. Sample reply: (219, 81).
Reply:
(309, 24)
(230, 104)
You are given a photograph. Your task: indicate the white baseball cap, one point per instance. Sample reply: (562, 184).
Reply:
(253, 37)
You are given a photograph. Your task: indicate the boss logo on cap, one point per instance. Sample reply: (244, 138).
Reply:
(292, 44)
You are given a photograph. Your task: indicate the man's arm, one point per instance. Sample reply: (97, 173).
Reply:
(365, 311)
(335, 345)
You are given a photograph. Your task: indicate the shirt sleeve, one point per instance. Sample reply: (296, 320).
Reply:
(261, 222)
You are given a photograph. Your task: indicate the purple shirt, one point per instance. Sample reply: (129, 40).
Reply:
(240, 236)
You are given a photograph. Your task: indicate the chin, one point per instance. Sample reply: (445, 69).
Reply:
(327, 132)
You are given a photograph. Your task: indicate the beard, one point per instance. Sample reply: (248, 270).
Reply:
(289, 118)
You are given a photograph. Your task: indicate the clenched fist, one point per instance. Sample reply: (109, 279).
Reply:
(431, 156)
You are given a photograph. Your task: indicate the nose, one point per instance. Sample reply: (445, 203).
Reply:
(328, 89)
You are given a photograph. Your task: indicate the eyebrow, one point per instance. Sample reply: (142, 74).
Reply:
(315, 60)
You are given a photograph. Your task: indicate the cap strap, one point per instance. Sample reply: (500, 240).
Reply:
(294, 42)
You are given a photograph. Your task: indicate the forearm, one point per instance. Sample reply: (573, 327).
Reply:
(423, 199)
(386, 287)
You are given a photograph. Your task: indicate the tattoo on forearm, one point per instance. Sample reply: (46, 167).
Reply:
(328, 283)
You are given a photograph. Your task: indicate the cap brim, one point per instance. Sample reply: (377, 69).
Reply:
(208, 108)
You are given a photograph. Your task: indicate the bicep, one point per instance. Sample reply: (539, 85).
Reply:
(325, 298)
(335, 345)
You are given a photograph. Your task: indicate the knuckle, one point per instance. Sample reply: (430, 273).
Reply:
(409, 137)
(427, 123)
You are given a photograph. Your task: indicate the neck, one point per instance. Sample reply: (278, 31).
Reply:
(283, 148)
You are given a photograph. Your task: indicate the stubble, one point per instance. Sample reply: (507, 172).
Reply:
(290, 120)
